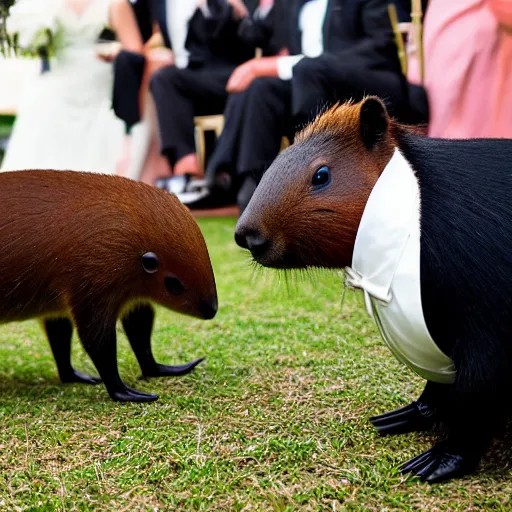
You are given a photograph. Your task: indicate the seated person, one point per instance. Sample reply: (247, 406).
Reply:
(340, 49)
(468, 69)
(204, 58)
(132, 102)
(129, 69)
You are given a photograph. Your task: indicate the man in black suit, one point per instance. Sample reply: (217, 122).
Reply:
(196, 83)
(339, 49)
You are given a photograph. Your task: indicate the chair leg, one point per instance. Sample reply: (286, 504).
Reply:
(200, 146)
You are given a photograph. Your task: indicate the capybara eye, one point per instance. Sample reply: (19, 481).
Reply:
(173, 285)
(322, 177)
(150, 262)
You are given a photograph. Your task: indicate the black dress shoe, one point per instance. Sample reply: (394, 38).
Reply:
(174, 184)
(203, 194)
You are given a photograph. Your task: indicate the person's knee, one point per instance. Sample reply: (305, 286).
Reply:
(165, 78)
(263, 94)
(262, 86)
(307, 69)
(235, 103)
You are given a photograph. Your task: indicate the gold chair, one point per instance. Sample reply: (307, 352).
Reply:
(407, 33)
(215, 123)
(204, 124)
(417, 24)
(400, 32)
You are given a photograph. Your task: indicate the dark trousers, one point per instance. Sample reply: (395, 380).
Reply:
(258, 118)
(255, 122)
(181, 94)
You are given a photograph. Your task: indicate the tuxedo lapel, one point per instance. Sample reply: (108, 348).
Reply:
(295, 32)
(341, 24)
(160, 13)
(251, 5)
(326, 29)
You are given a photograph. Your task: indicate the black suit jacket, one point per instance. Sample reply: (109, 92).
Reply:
(266, 33)
(211, 41)
(357, 31)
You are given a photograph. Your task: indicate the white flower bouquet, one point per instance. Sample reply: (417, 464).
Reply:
(35, 24)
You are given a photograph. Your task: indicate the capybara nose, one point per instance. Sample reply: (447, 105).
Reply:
(208, 308)
(257, 245)
(240, 239)
(253, 240)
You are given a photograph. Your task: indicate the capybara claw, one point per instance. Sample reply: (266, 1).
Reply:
(414, 417)
(440, 465)
(79, 377)
(132, 395)
(162, 370)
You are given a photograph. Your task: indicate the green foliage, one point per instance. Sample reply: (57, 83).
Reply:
(275, 419)
(6, 44)
(5, 5)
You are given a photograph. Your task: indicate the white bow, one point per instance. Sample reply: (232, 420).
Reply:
(356, 281)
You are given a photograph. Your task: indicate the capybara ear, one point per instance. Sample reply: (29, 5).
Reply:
(374, 121)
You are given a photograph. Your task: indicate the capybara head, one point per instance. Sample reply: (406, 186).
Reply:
(92, 237)
(307, 208)
(174, 261)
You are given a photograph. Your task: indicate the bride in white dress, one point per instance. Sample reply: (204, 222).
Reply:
(65, 121)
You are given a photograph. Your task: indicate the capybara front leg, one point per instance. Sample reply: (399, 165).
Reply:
(138, 326)
(473, 411)
(99, 340)
(421, 415)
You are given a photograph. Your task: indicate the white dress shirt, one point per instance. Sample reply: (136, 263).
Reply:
(262, 12)
(179, 14)
(311, 22)
(386, 266)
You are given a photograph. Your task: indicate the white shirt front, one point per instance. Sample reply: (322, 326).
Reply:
(262, 12)
(311, 22)
(179, 14)
(386, 266)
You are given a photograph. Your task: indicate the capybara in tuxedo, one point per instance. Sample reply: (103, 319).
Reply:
(424, 227)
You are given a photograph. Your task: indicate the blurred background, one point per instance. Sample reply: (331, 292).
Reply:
(199, 96)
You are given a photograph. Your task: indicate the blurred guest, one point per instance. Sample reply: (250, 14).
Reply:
(129, 69)
(468, 68)
(66, 121)
(132, 102)
(339, 49)
(204, 58)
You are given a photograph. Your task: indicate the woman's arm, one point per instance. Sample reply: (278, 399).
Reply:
(123, 22)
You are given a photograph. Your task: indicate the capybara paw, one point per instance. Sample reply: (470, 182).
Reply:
(132, 395)
(80, 377)
(440, 465)
(162, 370)
(406, 419)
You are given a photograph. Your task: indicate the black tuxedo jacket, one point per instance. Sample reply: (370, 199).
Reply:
(211, 41)
(357, 31)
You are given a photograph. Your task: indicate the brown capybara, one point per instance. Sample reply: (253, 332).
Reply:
(424, 227)
(84, 249)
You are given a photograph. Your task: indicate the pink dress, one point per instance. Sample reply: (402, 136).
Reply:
(468, 70)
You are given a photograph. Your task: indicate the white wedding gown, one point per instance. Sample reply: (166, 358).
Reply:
(65, 120)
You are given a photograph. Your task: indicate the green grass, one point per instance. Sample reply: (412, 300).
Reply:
(275, 419)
